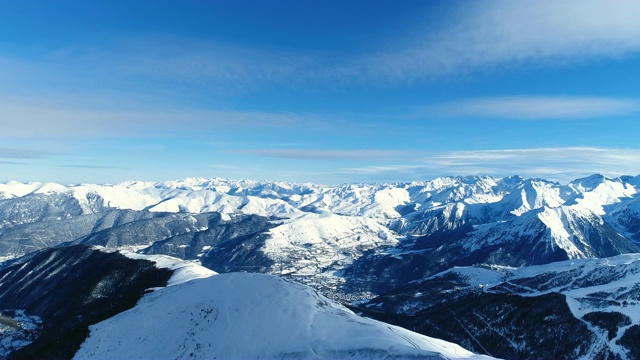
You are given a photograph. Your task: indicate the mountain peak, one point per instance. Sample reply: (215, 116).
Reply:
(588, 183)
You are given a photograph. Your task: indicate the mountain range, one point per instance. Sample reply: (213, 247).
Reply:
(375, 246)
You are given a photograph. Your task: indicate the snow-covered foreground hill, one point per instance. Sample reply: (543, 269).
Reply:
(252, 316)
(157, 307)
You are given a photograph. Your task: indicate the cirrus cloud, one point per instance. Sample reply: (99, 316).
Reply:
(318, 154)
(22, 119)
(538, 107)
(487, 34)
(480, 35)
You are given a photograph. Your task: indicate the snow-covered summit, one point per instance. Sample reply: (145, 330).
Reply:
(183, 271)
(253, 316)
(386, 201)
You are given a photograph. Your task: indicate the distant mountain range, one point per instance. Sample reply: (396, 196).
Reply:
(371, 245)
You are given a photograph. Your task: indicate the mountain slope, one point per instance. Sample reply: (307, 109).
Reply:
(577, 308)
(70, 288)
(252, 316)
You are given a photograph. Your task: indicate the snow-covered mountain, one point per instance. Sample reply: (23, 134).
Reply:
(586, 308)
(61, 303)
(386, 243)
(377, 235)
(252, 316)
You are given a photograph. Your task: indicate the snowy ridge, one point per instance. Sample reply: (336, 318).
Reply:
(252, 316)
(373, 200)
(498, 197)
(576, 277)
(321, 229)
(183, 271)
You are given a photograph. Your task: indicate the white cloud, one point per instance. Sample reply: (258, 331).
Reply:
(538, 108)
(36, 120)
(232, 67)
(481, 34)
(561, 164)
(84, 166)
(23, 153)
(304, 154)
(497, 33)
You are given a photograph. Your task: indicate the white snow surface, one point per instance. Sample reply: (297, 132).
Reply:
(17, 189)
(183, 270)
(252, 316)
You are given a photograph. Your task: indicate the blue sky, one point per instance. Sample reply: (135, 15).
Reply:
(320, 91)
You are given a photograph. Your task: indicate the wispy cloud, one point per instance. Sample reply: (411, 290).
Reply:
(231, 66)
(481, 35)
(23, 153)
(562, 164)
(9, 162)
(538, 107)
(24, 119)
(487, 34)
(304, 154)
(82, 166)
